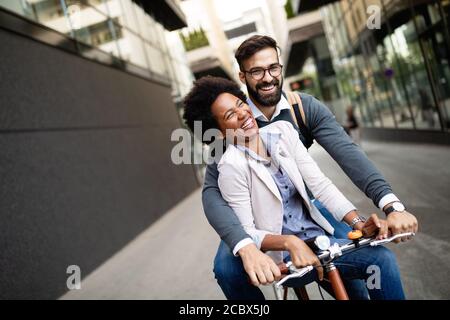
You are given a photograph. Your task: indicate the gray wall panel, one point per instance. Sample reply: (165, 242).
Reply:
(75, 189)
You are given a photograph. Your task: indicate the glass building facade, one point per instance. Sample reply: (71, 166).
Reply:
(395, 72)
(114, 30)
(118, 33)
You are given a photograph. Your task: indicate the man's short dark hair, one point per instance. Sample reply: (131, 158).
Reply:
(198, 102)
(252, 45)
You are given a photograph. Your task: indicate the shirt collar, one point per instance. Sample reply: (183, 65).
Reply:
(282, 104)
(270, 140)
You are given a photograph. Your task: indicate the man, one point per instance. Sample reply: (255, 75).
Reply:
(237, 254)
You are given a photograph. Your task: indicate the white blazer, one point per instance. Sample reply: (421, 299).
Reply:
(250, 190)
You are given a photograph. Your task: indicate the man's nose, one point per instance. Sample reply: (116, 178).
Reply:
(267, 77)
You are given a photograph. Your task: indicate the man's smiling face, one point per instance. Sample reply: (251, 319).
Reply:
(265, 92)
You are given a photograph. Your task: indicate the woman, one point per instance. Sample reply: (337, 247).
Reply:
(262, 175)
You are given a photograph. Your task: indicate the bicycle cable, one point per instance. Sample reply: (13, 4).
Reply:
(320, 291)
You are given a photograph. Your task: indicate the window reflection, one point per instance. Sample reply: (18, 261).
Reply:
(398, 76)
(23, 8)
(108, 30)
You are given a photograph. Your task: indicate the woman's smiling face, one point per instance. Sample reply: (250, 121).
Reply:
(234, 118)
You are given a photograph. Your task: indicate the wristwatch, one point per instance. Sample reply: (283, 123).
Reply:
(356, 220)
(396, 206)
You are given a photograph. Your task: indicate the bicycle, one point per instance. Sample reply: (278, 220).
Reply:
(327, 254)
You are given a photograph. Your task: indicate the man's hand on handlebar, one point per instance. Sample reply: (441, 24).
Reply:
(396, 223)
(402, 222)
(259, 266)
(302, 255)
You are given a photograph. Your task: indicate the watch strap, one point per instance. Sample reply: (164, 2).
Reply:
(391, 208)
(356, 220)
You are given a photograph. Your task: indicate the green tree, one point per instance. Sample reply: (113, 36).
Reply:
(289, 9)
(194, 39)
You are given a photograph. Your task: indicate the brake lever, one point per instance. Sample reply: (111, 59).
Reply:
(296, 273)
(387, 240)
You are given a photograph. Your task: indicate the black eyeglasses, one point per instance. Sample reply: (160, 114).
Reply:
(259, 73)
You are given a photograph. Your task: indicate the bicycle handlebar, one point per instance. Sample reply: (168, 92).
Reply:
(334, 251)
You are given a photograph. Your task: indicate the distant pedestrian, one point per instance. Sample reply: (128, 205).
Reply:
(427, 108)
(351, 125)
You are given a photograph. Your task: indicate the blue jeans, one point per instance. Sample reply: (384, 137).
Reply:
(341, 229)
(353, 267)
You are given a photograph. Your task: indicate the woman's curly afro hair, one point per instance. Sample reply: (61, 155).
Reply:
(198, 102)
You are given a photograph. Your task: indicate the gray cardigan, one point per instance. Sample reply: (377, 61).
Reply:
(331, 136)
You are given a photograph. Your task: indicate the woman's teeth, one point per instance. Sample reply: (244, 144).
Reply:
(247, 124)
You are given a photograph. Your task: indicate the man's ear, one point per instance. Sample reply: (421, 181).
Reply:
(242, 77)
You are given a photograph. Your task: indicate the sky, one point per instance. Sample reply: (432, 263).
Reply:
(227, 10)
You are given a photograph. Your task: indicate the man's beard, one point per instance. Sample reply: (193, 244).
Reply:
(266, 100)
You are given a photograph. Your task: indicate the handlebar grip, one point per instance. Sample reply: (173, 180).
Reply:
(283, 268)
(311, 244)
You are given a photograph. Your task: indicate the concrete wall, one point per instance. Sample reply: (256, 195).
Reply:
(84, 164)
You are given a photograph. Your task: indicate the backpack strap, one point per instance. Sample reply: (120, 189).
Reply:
(296, 108)
(298, 114)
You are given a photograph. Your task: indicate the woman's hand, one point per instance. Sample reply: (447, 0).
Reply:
(372, 226)
(302, 255)
(259, 266)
